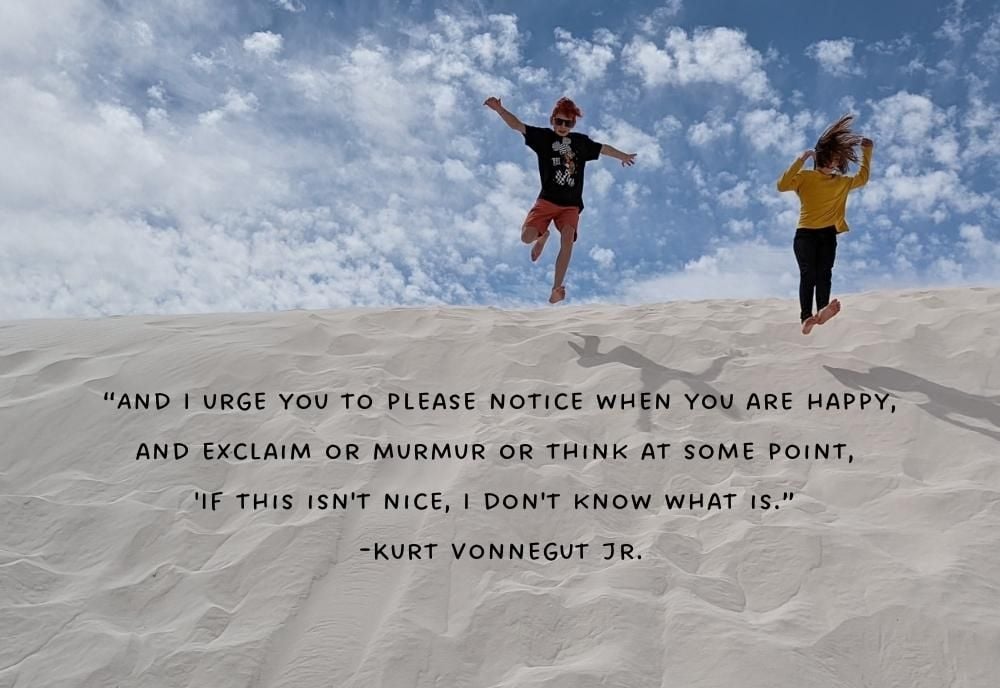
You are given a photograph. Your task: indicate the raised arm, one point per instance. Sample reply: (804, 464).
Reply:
(628, 159)
(506, 115)
(788, 181)
(861, 178)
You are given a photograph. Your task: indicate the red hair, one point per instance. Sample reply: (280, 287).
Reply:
(566, 108)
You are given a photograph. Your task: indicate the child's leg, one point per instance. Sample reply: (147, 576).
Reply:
(567, 223)
(826, 255)
(536, 224)
(827, 312)
(567, 235)
(538, 247)
(806, 255)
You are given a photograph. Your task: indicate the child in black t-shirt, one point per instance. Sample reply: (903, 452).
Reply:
(562, 156)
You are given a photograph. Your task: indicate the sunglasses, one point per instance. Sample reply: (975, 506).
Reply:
(560, 122)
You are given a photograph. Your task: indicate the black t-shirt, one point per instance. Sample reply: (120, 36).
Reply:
(561, 160)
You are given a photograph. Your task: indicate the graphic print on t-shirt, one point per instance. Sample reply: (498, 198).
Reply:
(561, 163)
(565, 164)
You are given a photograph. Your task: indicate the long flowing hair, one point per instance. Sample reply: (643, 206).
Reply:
(837, 145)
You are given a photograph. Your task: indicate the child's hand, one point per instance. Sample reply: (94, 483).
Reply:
(628, 160)
(493, 103)
(807, 154)
(867, 143)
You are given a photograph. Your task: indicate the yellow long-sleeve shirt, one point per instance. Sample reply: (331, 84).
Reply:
(824, 197)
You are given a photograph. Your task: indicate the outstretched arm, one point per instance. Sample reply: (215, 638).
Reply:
(628, 159)
(861, 178)
(788, 181)
(506, 115)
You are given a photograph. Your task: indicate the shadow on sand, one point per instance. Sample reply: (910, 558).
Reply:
(945, 403)
(652, 375)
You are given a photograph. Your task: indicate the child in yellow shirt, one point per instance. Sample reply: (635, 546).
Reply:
(823, 194)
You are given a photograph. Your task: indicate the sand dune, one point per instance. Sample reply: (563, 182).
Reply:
(881, 570)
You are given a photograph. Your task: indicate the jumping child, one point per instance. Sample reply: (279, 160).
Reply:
(823, 196)
(562, 155)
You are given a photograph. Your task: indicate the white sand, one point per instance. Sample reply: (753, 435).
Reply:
(884, 572)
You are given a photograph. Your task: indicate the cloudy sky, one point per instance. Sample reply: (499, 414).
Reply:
(185, 156)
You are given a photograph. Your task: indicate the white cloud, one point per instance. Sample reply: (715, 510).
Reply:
(108, 264)
(290, 5)
(655, 66)
(313, 84)
(835, 57)
(697, 176)
(29, 38)
(895, 46)
(588, 61)
(707, 56)
(736, 196)
(978, 246)
(77, 158)
(234, 103)
(974, 260)
(630, 139)
(955, 27)
(210, 63)
(767, 129)
(713, 128)
(457, 171)
(192, 196)
(499, 44)
(750, 269)
(667, 126)
(634, 193)
(531, 76)
(462, 46)
(910, 128)
(141, 34)
(988, 50)
(156, 92)
(661, 16)
(604, 257)
(600, 181)
(263, 44)
(930, 195)
(369, 83)
(916, 65)
(982, 121)
(908, 248)
(740, 227)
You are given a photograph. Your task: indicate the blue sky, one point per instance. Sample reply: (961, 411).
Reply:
(185, 156)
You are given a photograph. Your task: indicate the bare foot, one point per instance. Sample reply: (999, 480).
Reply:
(830, 310)
(538, 247)
(558, 294)
(809, 323)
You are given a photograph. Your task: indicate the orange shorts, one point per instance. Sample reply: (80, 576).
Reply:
(543, 212)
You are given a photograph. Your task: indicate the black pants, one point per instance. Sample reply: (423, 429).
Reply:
(815, 251)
